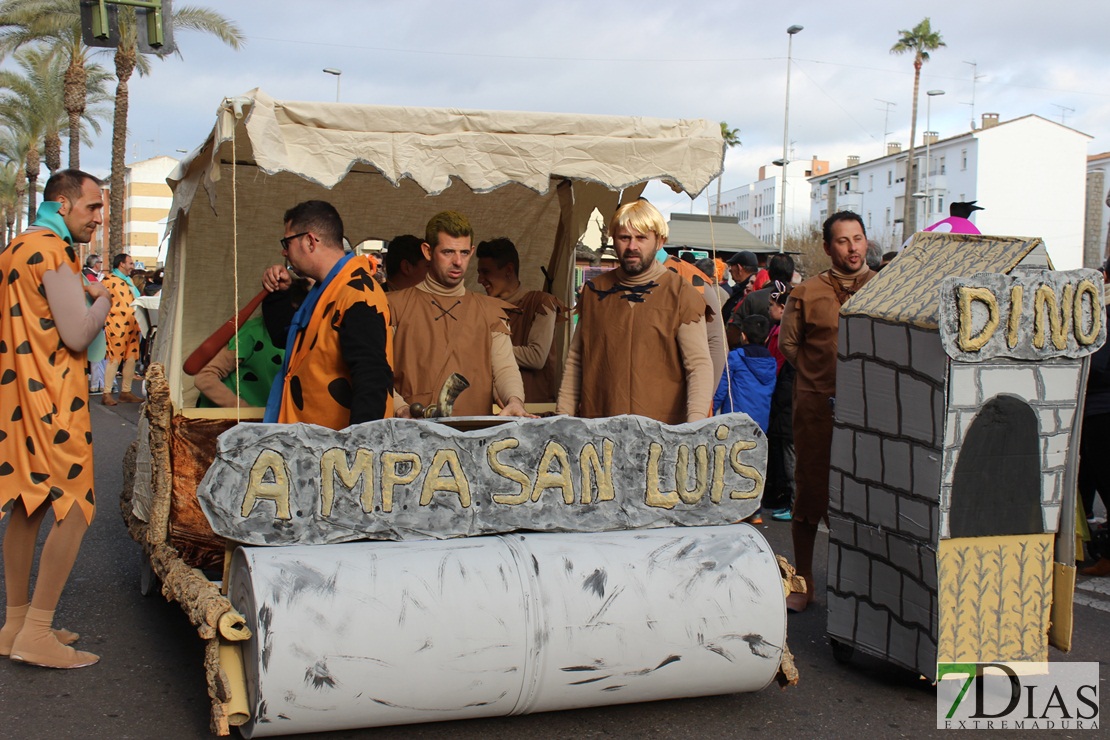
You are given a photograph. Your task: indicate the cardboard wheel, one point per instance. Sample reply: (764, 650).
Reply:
(842, 651)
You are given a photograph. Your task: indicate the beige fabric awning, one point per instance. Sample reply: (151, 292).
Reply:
(533, 177)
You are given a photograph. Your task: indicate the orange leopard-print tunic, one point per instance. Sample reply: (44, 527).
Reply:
(45, 430)
(122, 330)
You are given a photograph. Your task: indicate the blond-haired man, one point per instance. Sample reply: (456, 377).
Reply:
(641, 345)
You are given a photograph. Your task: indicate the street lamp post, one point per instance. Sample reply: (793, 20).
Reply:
(338, 73)
(786, 136)
(928, 140)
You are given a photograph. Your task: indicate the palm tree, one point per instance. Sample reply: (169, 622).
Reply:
(920, 40)
(41, 86)
(732, 138)
(127, 60)
(57, 23)
(9, 198)
(13, 150)
(23, 117)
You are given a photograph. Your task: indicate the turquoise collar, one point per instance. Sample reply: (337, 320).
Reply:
(48, 218)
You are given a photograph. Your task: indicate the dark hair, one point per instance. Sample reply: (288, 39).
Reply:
(756, 328)
(826, 228)
(502, 251)
(66, 184)
(780, 267)
(451, 223)
(319, 217)
(402, 248)
(119, 259)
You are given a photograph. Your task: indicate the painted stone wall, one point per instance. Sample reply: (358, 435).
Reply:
(903, 414)
(1050, 388)
(884, 490)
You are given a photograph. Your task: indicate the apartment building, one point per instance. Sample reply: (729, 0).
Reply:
(755, 205)
(1096, 238)
(1028, 173)
(146, 208)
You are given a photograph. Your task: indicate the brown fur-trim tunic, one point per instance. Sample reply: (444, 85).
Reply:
(630, 358)
(808, 339)
(539, 383)
(436, 334)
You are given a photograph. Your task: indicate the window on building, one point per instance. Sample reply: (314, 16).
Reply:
(870, 182)
(869, 219)
(940, 204)
(889, 178)
(963, 159)
(887, 217)
(942, 166)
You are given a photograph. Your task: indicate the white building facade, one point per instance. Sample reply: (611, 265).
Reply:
(1029, 175)
(756, 205)
(146, 208)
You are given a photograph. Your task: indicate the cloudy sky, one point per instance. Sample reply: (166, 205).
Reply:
(724, 61)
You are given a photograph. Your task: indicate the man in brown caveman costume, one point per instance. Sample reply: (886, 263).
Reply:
(807, 338)
(641, 346)
(440, 328)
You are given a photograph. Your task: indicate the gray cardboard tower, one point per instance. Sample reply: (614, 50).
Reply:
(960, 377)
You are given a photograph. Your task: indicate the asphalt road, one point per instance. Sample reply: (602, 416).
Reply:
(150, 682)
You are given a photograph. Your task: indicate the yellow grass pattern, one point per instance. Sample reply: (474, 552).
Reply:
(994, 598)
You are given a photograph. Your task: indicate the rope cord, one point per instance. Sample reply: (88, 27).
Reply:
(724, 319)
(235, 271)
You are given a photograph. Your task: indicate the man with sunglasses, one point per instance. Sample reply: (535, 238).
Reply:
(338, 366)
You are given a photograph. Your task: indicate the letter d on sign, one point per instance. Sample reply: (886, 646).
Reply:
(966, 297)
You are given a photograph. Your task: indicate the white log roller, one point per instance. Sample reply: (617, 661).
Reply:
(370, 634)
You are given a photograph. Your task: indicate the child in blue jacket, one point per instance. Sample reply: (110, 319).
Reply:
(749, 378)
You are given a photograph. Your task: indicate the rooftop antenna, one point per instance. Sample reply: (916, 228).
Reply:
(974, 78)
(1064, 111)
(886, 122)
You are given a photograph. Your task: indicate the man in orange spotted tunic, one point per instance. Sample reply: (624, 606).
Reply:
(338, 351)
(122, 331)
(46, 458)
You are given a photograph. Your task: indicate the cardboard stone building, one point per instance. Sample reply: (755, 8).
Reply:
(954, 454)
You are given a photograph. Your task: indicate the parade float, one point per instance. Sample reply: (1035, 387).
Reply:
(960, 381)
(417, 570)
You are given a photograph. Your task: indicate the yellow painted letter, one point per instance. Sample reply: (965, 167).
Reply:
(653, 496)
(966, 296)
(391, 478)
(268, 461)
(1087, 338)
(454, 482)
(682, 473)
(746, 471)
(508, 471)
(547, 478)
(597, 471)
(334, 462)
(1058, 316)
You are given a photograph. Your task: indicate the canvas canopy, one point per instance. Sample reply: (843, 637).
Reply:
(535, 178)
